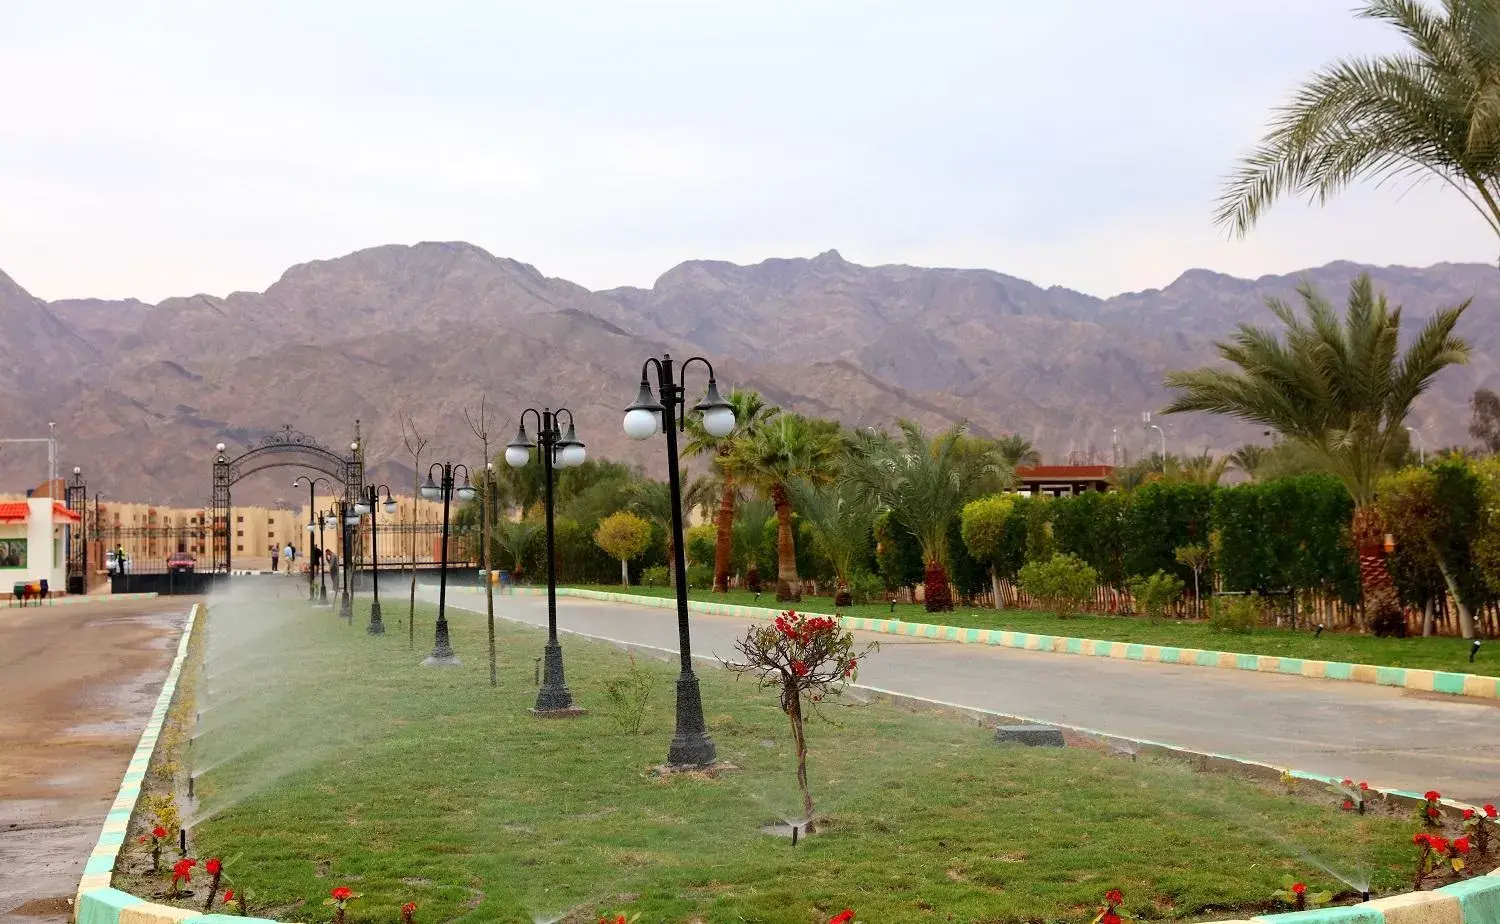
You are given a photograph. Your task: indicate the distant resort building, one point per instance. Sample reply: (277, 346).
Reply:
(1063, 480)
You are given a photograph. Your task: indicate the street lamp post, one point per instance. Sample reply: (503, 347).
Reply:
(369, 504)
(312, 486)
(325, 520)
(348, 519)
(666, 412)
(556, 450)
(442, 652)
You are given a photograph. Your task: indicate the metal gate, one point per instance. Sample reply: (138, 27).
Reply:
(76, 498)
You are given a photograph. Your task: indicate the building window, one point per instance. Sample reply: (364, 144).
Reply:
(239, 548)
(270, 521)
(239, 519)
(239, 534)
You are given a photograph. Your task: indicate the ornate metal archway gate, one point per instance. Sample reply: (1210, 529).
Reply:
(286, 448)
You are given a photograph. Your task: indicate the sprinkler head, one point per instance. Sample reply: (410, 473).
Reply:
(182, 841)
(1364, 896)
(795, 829)
(893, 606)
(1474, 650)
(1319, 631)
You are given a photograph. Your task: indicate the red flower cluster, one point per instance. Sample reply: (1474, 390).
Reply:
(341, 894)
(158, 832)
(183, 868)
(799, 668)
(1489, 810)
(1298, 888)
(228, 896)
(804, 629)
(213, 865)
(843, 917)
(1114, 897)
(1435, 842)
(1432, 795)
(407, 910)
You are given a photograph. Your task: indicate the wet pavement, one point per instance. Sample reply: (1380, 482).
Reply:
(76, 685)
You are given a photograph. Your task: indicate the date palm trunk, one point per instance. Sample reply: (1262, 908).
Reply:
(1376, 585)
(788, 587)
(937, 596)
(724, 537)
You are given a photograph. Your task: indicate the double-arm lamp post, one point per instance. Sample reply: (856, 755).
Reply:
(322, 520)
(442, 652)
(312, 518)
(664, 412)
(348, 521)
(557, 450)
(369, 503)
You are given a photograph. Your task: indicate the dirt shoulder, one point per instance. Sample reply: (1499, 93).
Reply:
(76, 686)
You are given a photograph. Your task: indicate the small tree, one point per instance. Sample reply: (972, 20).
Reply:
(983, 527)
(1063, 582)
(1195, 557)
(1156, 593)
(803, 657)
(623, 536)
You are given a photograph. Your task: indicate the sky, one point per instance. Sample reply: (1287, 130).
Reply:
(151, 149)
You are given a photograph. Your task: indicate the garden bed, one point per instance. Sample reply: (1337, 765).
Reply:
(339, 761)
(1439, 653)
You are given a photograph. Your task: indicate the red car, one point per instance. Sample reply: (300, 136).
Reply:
(179, 562)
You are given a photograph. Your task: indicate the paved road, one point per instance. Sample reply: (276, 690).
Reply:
(1392, 738)
(76, 685)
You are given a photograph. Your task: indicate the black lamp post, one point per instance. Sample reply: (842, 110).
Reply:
(325, 520)
(442, 652)
(557, 451)
(369, 503)
(665, 412)
(348, 519)
(77, 499)
(312, 517)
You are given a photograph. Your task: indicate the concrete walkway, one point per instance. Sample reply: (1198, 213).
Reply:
(76, 685)
(1391, 738)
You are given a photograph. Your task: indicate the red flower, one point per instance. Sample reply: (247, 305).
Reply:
(1348, 804)
(1363, 785)
(1461, 844)
(1439, 844)
(1468, 813)
(229, 895)
(1420, 839)
(843, 917)
(213, 866)
(408, 908)
(183, 868)
(1433, 812)
(1432, 795)
(1489, 810)
(144, 838)
(342, 893)
(158, 831)
(799, 668)
(1348, 782)
(1114, 897)
(1109, 917)
(1298, 888)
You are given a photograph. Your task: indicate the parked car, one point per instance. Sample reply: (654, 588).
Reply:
(113, 566)
(179, 562)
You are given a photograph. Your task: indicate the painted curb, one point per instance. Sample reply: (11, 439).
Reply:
(97, 902)
(1426, 681)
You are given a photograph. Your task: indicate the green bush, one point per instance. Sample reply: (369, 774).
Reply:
(866, 588)
(1155, 594)
(700, 577)
(655, 576)
(1236, 614)
(1063, 582)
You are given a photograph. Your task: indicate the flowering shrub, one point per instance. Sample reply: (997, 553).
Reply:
(181, 870)
(1110, 913)
(619, 919)
(408, 912)
(1352, 795)
(1436, 851)
(1295, 893)
(1430, 812)
(801, 656)
(157, 839)
(1477, 826)
(215, 868)
(843, 917)
(340, 898)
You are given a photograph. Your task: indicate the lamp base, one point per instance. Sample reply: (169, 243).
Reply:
(437, 660)
(691, 746)
(553, 694)
(377, 625)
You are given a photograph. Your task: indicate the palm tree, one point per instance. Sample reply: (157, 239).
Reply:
(751, 412)
(1200, 469)
(1250, 459)
(786, 448)
(1014, 449)
(749, 533)
(1338, 388)
(1433, 109)
(924, 483)
(515, 538)
(842, 517)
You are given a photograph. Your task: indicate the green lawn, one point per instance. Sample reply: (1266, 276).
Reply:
(1442, 654)
(335, 759)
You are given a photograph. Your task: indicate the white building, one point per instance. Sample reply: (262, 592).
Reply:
(34, 543)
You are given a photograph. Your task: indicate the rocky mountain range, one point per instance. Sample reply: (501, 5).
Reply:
(141, 393)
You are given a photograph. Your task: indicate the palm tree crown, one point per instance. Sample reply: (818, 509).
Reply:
(1433, 110)
(1339, 387)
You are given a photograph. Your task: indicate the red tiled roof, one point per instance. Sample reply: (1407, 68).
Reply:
(20, 512)
(1064, 472)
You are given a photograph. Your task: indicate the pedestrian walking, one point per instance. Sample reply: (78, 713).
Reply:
(275, 556)
(290, 554)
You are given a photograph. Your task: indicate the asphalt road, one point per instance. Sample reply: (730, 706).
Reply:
(1391, 738)
(76, 685)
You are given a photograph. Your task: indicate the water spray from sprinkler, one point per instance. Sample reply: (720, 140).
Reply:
(192, 778)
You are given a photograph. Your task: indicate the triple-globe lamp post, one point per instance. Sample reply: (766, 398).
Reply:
(348, 521)
(665, 412)
(557, 450)
(370, 503)
(443, 489)
(312, 519)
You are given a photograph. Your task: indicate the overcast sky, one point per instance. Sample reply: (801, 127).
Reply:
(150, 148)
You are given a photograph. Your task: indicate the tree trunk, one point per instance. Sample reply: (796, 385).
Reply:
(624, 573)
(799, 738)
(1465, 617)
(1197, 596)
(788, 587)
(841, 593)
(936, 593)
(1381, 607)
(995, 588)
(724, 537)
(1429, 611)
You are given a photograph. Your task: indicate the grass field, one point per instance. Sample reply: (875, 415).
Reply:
(333, 758)
(1442, 654)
